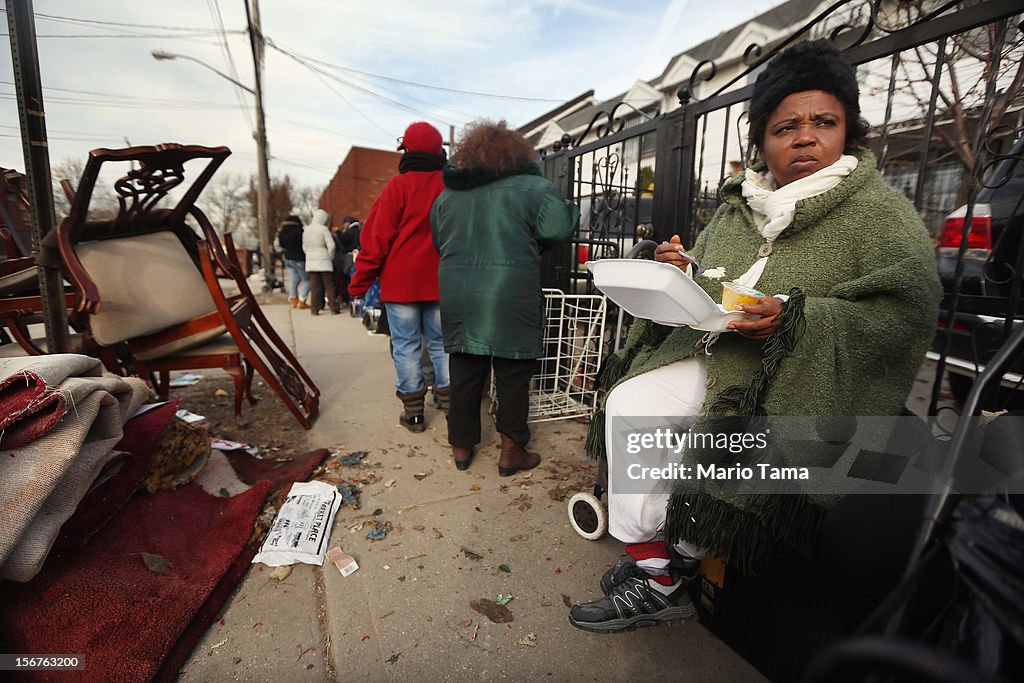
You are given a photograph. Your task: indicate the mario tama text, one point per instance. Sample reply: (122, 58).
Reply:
(712, 471)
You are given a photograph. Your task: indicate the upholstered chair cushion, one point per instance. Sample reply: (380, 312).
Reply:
(147, 284)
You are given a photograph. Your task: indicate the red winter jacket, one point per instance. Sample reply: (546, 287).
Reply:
(396, 243)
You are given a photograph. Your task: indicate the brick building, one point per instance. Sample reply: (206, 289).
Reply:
(358, 182)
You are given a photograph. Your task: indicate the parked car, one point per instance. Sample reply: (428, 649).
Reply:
(990, 307)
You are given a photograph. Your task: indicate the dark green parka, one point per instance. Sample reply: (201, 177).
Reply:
(489, 232)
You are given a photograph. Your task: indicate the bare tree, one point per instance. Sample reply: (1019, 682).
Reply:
(103, 204)
(968, 62)
(226, 200)
(280, 202)
(65, 169)
(306, 200)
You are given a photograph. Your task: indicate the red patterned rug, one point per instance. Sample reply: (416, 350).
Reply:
(130, 620)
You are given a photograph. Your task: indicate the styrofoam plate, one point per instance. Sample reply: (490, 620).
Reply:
(659, 292)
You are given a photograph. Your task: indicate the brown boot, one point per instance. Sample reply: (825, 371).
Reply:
(412, 417)
(443, 399)
(514, 457)
(302, 305)
(294, 301)
(462, 457)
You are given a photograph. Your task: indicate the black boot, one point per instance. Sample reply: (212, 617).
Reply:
(412, 416)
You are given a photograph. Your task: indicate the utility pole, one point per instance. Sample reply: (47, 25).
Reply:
(28, 85)
(263, 210)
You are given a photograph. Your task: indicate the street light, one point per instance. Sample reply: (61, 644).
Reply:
(263, 210)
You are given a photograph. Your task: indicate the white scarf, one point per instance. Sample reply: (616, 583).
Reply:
(774, 208)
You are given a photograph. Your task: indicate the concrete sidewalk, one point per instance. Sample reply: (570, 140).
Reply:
(457, 537)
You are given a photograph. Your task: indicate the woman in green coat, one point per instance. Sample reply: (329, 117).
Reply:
(490, 225)
(850, 301)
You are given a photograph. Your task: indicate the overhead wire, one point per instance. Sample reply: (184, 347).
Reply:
(214, 6)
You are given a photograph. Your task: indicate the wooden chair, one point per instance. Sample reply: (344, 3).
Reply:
(147, 280)
(20, 302)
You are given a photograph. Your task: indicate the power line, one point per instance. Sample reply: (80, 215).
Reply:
(474, 93)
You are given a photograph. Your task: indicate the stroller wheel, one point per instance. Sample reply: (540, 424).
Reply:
(588, 516)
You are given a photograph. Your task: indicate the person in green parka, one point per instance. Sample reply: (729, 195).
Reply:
(490, 225)
(850, 301)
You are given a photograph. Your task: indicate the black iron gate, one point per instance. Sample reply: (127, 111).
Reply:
(941, 84)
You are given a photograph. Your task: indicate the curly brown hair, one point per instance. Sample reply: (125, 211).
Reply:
(492, 147)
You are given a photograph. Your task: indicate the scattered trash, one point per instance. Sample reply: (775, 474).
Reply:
(302, 525)
(529, 640)
(345, 563)
(389, 483)
(420, 476)
(505, 568)
(474, 487)
(281, 573)
(465, 623)
(520, 537)
(387, 567)
(566, 600)
(353, 458)
(498, 614)
(189, 417)
(366, 638)
(378, 529)
(437, 533)
(503, 599)
(146, 407)
(470, 554)
(386, 614)
(475, 632)
(419, 527)
(350, 495)
(185, 381)
(216, 645)
(393, 658)
(157, 564)
(221, 393)
(378, 511)
(225, 445)
(558, 493)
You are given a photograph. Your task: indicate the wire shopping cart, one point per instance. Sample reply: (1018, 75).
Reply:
(564, 385)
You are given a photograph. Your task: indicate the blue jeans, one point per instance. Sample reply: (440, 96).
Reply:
(410, 323)
(298, 280)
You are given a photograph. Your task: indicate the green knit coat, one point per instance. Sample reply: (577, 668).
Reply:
(865, 270)
(490, 231)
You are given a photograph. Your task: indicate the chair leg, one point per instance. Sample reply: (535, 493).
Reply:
(249, 372)
(163, 384)
(238, 375)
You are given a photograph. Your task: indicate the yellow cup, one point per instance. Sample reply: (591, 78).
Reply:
(734, 294)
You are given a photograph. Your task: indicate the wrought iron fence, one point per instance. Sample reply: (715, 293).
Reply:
(941, 89)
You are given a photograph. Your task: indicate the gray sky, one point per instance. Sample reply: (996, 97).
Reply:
(323, 82)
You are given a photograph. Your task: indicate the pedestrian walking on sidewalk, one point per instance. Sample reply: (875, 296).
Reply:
(490, 225)
(396, 246)
(318, 244)
(289, 238)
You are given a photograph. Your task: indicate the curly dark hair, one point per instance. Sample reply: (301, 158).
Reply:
(492, 147)
(811, 65)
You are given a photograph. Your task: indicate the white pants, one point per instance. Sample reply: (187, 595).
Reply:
(675, 391)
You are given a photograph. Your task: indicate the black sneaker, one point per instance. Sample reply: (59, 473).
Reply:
(414, 423)
(633, 604)
(619, 572)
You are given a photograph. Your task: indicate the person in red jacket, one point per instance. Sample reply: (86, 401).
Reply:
(396, 246)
